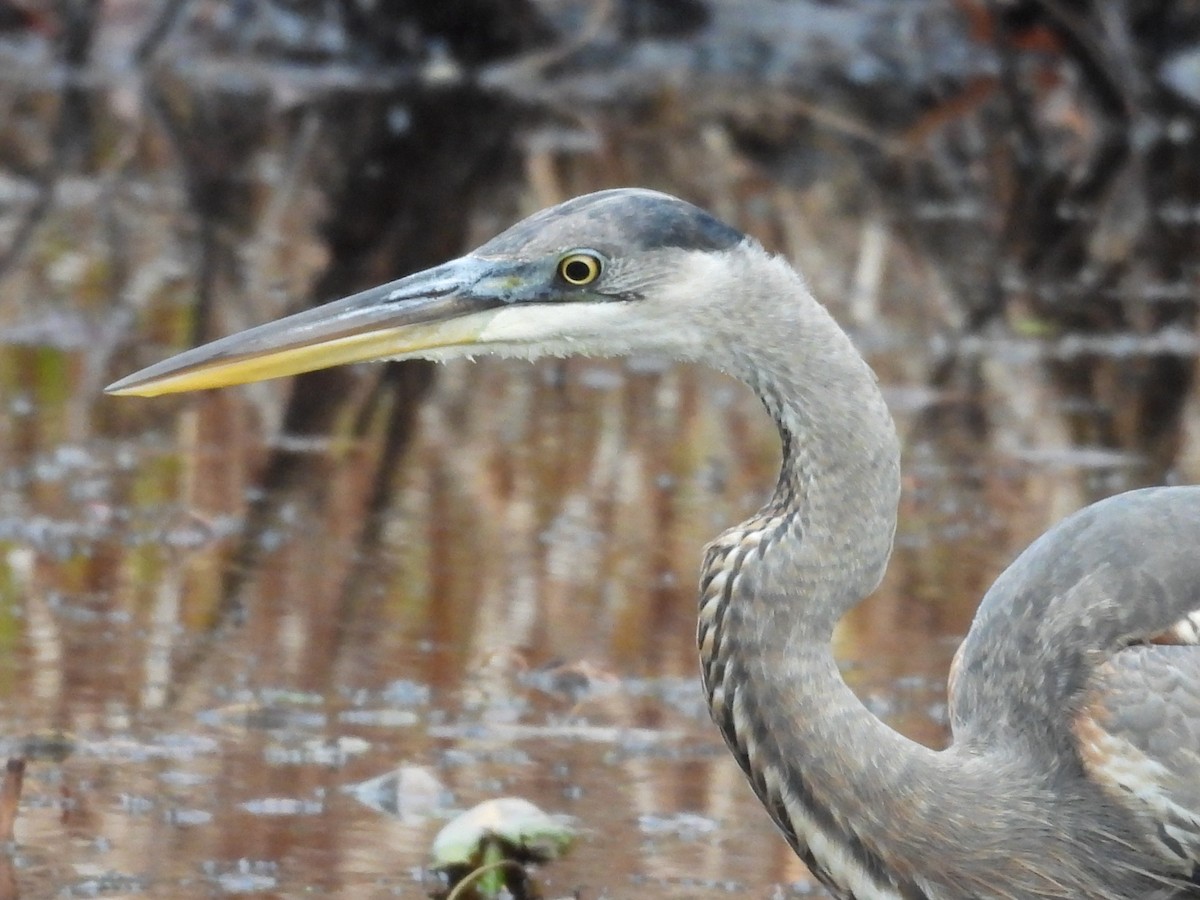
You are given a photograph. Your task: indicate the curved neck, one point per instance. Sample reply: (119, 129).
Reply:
(871, 813)
(775, 586)
(832, 516)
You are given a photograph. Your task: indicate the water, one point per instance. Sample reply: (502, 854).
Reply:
(524, 626)
(505, 608)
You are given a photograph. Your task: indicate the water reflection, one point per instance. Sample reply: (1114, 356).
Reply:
(523, 626)
(212, 633)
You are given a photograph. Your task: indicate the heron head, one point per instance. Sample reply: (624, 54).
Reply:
(611, 273)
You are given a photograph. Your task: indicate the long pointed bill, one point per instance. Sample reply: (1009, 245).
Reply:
(431, 309)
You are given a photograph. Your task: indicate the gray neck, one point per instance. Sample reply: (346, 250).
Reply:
(775, 587)
(872, 813)
(833, 513)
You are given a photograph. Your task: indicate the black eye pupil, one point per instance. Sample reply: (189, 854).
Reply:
(577, 271)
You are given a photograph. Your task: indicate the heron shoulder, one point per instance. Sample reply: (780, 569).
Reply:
(1119, 572)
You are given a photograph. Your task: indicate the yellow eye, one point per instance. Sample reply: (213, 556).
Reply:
(579, 268)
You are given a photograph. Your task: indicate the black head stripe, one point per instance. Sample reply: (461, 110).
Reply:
(618, 221)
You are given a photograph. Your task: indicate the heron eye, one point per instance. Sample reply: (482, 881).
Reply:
(579, 268)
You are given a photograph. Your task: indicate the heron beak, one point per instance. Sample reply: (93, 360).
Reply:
(445, 306)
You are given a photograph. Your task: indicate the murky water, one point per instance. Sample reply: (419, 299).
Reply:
(505, 608)
(524, 626)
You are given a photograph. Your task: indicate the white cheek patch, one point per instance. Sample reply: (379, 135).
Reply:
(541, 322)
(558, 329)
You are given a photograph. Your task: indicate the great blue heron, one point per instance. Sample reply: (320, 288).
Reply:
(1075, 765)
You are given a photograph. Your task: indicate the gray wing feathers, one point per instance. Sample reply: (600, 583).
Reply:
(1120, 572)
(1060, 663)
(1138, 736)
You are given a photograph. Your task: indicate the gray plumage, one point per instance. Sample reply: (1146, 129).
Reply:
(1074, 770)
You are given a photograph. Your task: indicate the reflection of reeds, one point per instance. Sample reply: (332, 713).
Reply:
(541, 513)
(10, 797)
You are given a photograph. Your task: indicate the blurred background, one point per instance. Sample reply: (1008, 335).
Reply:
(221, 614)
